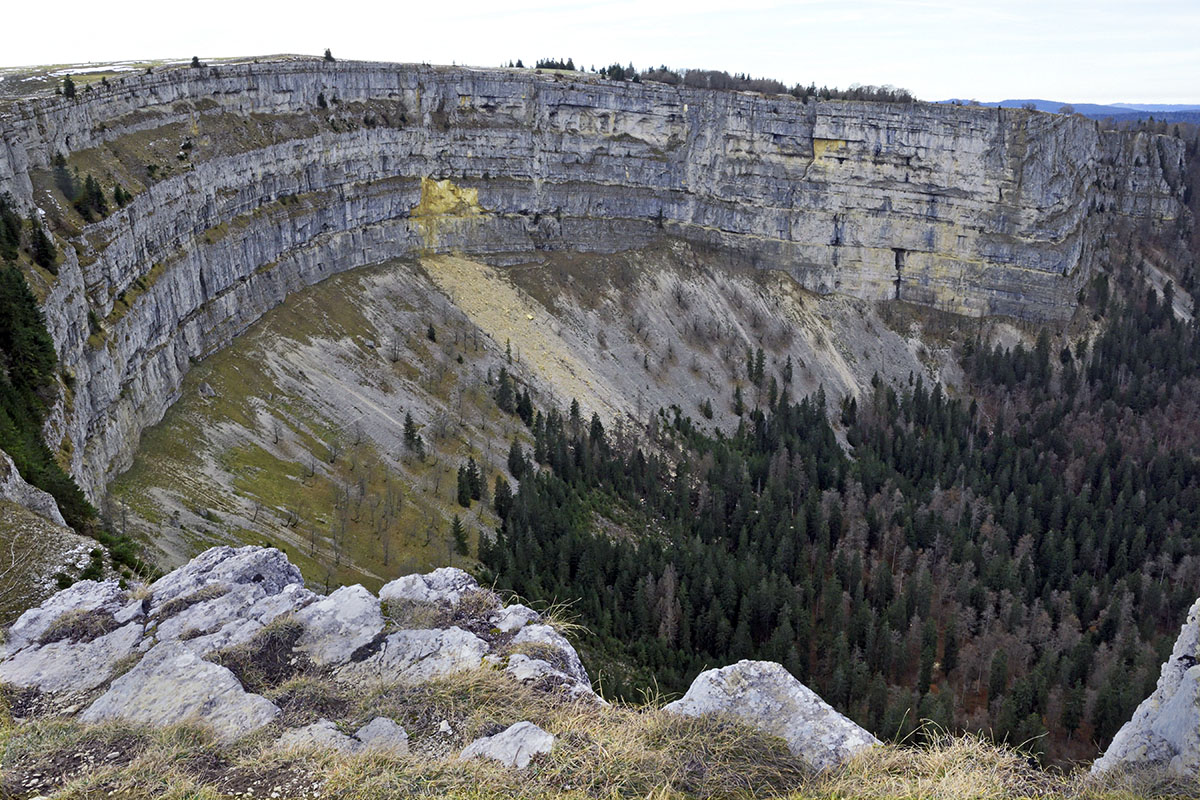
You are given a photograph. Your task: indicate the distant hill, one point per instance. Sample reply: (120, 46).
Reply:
(1122, 112)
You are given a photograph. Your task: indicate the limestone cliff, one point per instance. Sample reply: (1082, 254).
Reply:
(252, 180)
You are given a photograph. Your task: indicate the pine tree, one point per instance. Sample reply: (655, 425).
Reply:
(329, 55)
(68, 88)
(464, 488)
(412, 439)
(459, 534)
(504, 392)
(517, 463)
(45, 255)
(502, 498)
(475, 482)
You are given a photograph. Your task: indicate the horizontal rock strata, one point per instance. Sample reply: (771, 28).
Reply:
(288, 172)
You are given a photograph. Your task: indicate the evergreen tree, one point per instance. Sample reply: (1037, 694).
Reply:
(458, 534)
(10, 229)
(45, 255)
(517, 464)
(412, 439)
(504, 392)
(502, 498)
(464, 487)
(68, 88)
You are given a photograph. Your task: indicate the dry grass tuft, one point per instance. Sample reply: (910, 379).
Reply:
(964, 766)
(267, 660)
(201, 595)
(79, 626)
(601, 752)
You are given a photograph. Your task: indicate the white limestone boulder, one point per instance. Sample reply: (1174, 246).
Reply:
(513, 747)
(443, 585)
(542, 674)
(1164, 731)
(321, 735)
(384, 736)
(514, 617)
(337, 625)
(544, 638)
(265, 567)
(419, 655)
(172, 684)
(71, 666)
(83, 596)
(13, 487)
(765, 695)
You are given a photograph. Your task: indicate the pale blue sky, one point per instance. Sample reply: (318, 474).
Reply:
(1147, 51)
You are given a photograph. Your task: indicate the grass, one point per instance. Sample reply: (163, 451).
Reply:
(79, 626)
(601, 752)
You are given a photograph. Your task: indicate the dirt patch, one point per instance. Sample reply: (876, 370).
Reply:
(305, 700)
(42, 772)
(289, 779)
(267, 660)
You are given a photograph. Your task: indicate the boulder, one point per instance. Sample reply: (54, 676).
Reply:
(514, 617)
(266, 567)
(443, 585)
(321, 735)
(382, 735)
(336, 626)
(555, 645)
(514, 747)
(1164, 731)
(419, 655)
(765, 695)
(173, 684)
(71, 666)
(84, 596)
(543, 675)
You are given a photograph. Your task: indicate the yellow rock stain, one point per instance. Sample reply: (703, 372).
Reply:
(441, 201)
(823, 146)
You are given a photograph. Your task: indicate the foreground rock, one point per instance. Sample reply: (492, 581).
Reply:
(766, 696)
(1165, 729)
(172, 684)
(179, 649)
(514, 747)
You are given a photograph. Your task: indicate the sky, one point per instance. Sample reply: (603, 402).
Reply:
(1144, 51)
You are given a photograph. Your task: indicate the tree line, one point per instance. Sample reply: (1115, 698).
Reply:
(1015, 562)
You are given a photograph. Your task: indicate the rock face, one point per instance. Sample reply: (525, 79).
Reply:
(514, 747)
(1165, 729)
(766, 696)
(14, 488)
(981, 211)
(151, 655)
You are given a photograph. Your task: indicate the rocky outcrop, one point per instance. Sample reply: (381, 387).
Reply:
(176, 650)
(513, 747)
(980, 211)
(1164, 732)
(764, 695)
(14, 488)
(173, 684)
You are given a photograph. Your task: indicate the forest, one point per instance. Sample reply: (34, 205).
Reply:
(1015, 560)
